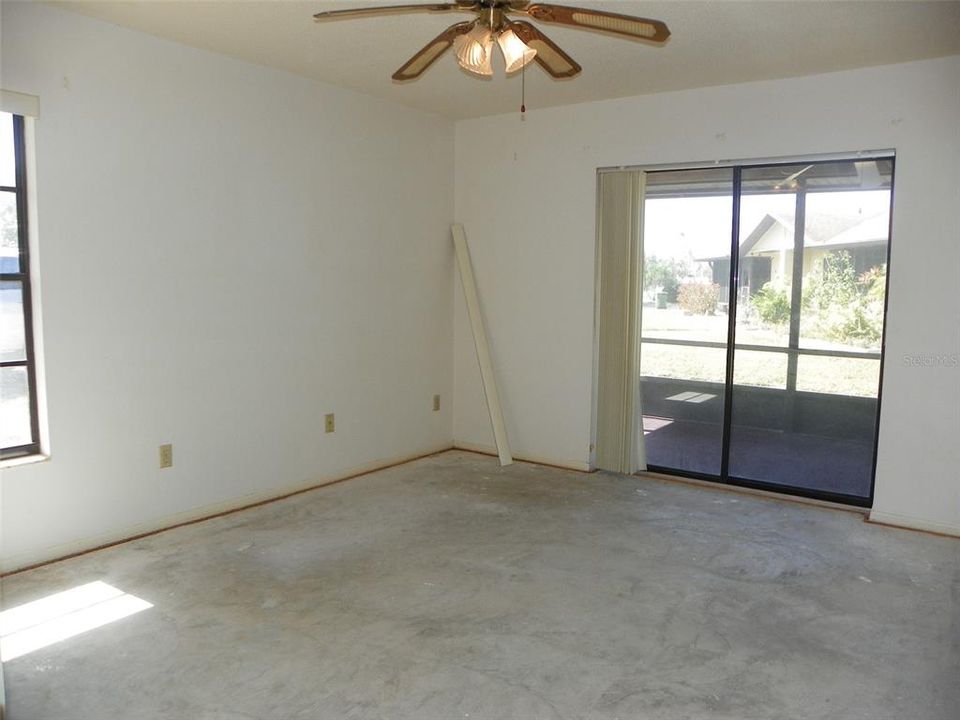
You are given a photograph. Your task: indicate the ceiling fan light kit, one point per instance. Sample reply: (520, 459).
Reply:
(519, 41)
(516, 53)
(474, 51)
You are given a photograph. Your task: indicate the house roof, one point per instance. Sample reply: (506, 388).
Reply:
(821, 230)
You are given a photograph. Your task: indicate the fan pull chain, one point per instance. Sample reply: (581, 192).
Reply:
(523, 91)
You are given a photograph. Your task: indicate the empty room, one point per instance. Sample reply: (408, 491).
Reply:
(483, 359)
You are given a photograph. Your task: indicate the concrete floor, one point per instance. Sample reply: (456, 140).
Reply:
(451, 588)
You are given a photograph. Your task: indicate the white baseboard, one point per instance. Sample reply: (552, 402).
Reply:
(491, 450)
(910, 522)
(66, 550)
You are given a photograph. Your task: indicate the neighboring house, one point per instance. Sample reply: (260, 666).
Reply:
(767, 252)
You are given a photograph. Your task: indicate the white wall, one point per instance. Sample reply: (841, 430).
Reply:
(227, 253)
(526, 193)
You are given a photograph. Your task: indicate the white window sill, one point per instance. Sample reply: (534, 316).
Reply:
(23, 460)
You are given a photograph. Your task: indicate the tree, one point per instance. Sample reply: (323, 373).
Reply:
(664, 274)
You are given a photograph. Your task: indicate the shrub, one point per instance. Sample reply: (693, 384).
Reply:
(772, 304)
(843, 306)
(860, 321)
(874, 282)
(8, 226)
(698, 298)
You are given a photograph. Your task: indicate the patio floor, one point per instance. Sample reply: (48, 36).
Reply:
(811, 462)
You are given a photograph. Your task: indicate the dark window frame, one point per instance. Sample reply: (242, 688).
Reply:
(23, 277)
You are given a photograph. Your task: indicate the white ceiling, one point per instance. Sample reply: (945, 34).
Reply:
(713, 43)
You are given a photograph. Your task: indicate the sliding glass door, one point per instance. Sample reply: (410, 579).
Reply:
(808, 338)
(683, 355)
(774, 384)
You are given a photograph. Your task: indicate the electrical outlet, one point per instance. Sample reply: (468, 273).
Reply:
(166, 455)
(436, 402)
(328, 423)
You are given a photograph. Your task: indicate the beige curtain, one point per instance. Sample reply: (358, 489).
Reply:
(619, 423)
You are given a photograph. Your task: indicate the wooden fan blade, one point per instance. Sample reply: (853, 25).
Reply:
(388, 10)
(415, 66)
(549, 56)
(625, 25)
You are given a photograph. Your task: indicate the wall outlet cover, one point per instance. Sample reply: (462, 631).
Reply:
(166, 455)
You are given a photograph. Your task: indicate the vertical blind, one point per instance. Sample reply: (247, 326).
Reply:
(619, 445)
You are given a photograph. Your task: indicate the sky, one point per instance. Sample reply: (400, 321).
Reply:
(686, 228)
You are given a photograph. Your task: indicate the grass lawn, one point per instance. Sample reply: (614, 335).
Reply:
(839, 376)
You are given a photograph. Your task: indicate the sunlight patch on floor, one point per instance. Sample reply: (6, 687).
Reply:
(692, 397)
(54, 618)
(652, 423)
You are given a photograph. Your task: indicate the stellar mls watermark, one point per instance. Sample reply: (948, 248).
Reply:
(932, 360)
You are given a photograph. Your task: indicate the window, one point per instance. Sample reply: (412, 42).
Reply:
(19, 424)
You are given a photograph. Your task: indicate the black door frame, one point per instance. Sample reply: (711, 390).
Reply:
(724, 477)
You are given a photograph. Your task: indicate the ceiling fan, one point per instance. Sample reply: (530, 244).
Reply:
(519, 40)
